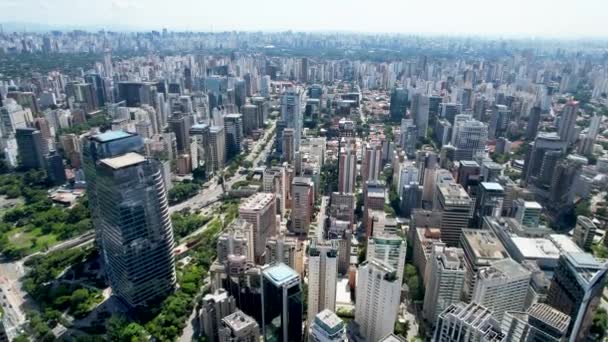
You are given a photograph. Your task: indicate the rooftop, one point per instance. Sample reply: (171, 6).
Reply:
(280, 274)
(392, 338)
(257, 201)
(124, 160)
(111, 135)
(238, 320)
(504, 269)
(492, 186)
(550, 316)
(484, 244)
(329, 321)
(536, 248)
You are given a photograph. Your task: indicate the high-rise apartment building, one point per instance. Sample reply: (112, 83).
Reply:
(446, 280)
(285, 249)
(129, 209)
(291, 115)
(378, 294)
(576, 290)
(322, 277)
(408, 137)
(303, 196)
(260, 211)
(282, 306)
(502, 287)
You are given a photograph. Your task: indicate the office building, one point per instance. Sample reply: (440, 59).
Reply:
(533, 122)
(378, 297)
(420, 113)
(541, 158)
(303, 197)
(388, 248)
(291, 115)
(236, 240)
(454, 206)
(260, 211)
(239, 327)
(502, 287)
(275, 182)
(214, 307)
(282, 307)
(408, 137)
(469, 138)
(327, 327)
(566, 128)
(217, 142)
(584, 232)
(527, 213)
(32, 149)
(489, 200)
(576, 290)
(398, 104)
(322, 277)
(289, 148)
(540, 323)
(347, 169)
(374, 197)
(446, 280)
(129, 209)
(481, 248)
(468, 323)
(13, 116)
(233, 128)
(499, 121)
(285, 249)
(55, 170)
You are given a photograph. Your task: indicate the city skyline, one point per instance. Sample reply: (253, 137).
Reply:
(540, 19)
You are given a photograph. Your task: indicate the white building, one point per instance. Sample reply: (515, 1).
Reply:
(446, 280)
(389, 248)
(378, 297)
(322, 277)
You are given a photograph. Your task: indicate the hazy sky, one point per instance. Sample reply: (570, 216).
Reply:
(555, 18)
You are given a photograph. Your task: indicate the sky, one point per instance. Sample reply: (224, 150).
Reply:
(521, 18)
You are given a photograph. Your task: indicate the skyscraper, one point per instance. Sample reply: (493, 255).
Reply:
(388, 248)
(454, 205)
(32, 149)
(408, 137)
(538, 158)
(446, 280)
(236, 239)
(129, 208)
(275, 181)
(303, 198)
(502, 287)
(260, 211)
(398, 104)
(469, 138)
(289, 148)
(291, 114)
(499, 121)
(233, 128)
(322, 278)
(489, 200)
(533, 122)
(576, 290)
(282, 307)
(566, 129)
(217, 142)
(420, 113)
(372, 162)
(347, 169)
(378, 294)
